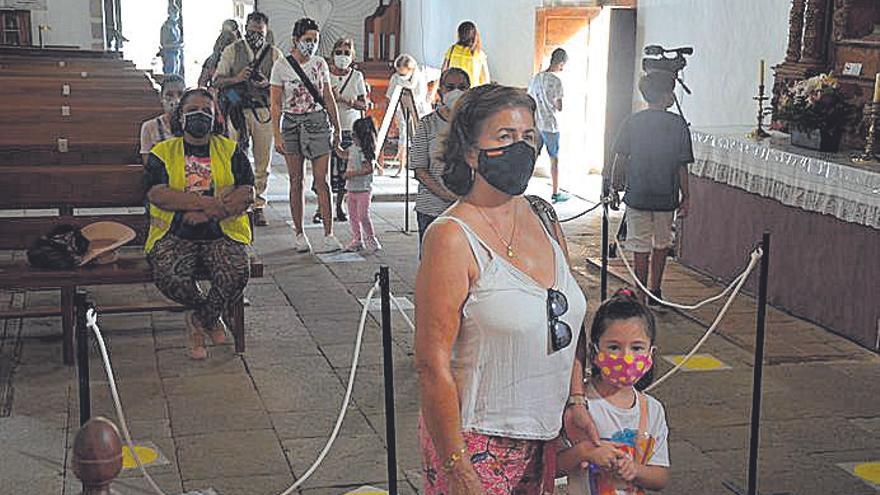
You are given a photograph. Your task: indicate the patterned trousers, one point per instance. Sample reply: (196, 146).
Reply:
(177, 262)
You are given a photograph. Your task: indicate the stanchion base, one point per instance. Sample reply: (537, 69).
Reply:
(866, 159)
(734, 488)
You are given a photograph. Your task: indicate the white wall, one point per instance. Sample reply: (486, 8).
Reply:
(729, 39)
(507, 29)
(70, 21)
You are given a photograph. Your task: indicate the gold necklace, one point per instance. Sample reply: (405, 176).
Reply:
(510, 253)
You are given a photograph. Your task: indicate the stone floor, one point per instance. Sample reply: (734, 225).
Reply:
(252, 423)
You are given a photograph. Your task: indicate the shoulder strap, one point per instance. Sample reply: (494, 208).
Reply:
(306, 81)
(347, 80)
(546, 213)
(482, 252)
(259, 58)
(644, 444)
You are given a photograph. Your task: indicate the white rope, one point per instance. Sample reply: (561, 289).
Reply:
(686, 307)
(409, 322)
(92, 322)
(756, 255)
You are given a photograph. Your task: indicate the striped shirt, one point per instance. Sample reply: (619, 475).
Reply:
(425, 154)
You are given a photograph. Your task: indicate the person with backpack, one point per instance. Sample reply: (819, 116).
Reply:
(242, 79)
(302, 93)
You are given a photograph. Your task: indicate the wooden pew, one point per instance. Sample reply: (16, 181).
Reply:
(67, 188)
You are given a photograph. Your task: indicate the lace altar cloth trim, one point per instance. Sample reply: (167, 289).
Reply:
(848, 192)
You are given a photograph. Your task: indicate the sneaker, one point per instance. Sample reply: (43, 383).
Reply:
(317, 218)
(195, 338)
(330, 244)
(260, 218)
(372, 245)
(301, 243)
(341, 217)
(560, 197)
(354, 247)
(217, 333)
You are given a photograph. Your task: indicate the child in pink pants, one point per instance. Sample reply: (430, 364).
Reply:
(359, 186)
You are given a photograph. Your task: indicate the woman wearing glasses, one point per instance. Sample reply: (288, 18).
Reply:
(498, 313)
(350, 90)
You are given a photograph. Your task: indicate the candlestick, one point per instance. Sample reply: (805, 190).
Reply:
(759, 133)
(761, 77)
(873, 112)
(877, 88)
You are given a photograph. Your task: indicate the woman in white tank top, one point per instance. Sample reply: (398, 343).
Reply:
(498, 314)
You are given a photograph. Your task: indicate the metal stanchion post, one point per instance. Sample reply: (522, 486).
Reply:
(759, 366)
(388, 364)
(82, 356)
(404, 168)
(603, 290)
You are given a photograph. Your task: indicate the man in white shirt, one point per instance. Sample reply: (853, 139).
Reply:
(546, 88)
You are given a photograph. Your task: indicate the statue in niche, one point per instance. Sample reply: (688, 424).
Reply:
(171, 42)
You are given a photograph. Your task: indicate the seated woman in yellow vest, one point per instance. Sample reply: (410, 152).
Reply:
(199, 186)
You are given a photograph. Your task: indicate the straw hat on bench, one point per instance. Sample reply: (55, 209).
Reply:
(104, 240)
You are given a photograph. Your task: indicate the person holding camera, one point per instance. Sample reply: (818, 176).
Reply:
(652, 151)
(242, 78)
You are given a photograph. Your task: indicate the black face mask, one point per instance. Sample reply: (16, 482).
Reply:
(254, 39)
(198, 124)
(508, 168)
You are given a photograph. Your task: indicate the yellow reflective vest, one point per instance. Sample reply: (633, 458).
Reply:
(171, 153)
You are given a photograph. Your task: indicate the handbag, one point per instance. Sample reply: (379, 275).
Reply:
(546, 213)
(61, 249)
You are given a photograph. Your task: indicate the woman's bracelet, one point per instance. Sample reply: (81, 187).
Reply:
(456, 456)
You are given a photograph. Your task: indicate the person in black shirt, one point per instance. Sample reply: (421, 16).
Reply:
(652, 152)
(199, 186)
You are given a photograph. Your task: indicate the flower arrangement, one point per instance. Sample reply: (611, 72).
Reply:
(815, 103)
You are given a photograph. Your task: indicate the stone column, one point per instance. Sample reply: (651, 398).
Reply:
(795, 30)
(814, 32)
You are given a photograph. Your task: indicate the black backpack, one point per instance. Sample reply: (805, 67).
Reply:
(60, 249)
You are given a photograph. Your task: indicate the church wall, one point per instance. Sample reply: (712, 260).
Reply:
(729, 39)
(72, 22)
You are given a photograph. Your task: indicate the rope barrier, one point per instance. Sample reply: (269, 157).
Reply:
(741, 280)
(92, 322)
(602, 201)
(406, 318)
(688, 307)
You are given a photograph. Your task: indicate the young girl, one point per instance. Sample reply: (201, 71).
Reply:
(359, 185)
(633, 455)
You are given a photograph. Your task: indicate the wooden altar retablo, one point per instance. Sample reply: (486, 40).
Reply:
(97, 455)
(824, 36)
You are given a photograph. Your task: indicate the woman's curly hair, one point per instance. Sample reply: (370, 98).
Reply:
(474, 108)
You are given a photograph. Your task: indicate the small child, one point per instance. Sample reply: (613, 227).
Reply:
(359, 185)
(633, 455)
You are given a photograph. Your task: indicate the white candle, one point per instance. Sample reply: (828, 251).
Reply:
(877, 88)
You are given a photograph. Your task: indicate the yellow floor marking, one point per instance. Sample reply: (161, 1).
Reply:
(145, 454)
(367, 490)
(868, 471)
(697, 362)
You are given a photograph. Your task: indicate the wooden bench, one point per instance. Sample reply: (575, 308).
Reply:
(67, 188)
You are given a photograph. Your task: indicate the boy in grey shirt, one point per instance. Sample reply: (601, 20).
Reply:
(652, 151)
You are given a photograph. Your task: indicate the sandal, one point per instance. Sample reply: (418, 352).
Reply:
(195, 338)
(217, 333)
